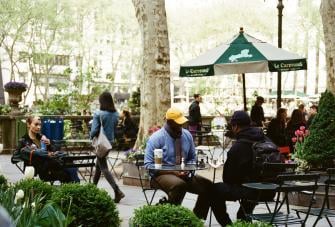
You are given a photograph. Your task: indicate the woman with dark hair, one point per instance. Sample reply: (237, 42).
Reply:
(277, 128)
(108, 117)
(129, 128)
(44, 153)
(297, 120)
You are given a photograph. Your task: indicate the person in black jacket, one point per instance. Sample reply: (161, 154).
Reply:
(277, 129)
(129, 128)
(194, 116)
(238, 169)
(257, 112)
(43, 154)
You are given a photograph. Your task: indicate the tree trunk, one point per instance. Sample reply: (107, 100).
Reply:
(327, 11)
(2, 91)
(306, 42)
(317, 63)
(155, 81)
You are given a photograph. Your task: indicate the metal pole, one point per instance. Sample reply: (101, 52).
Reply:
(280, 8)
(244, 93)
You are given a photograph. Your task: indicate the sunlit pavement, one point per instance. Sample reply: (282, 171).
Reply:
(135, 198)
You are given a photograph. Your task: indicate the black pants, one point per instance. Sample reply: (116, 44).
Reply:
(222, 192)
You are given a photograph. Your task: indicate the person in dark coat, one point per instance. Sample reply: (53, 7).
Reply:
(238, 169)
(297, 120)
(194, 114)
(277, 128)
(129, 128)
(257, 112)
(44, 153)
(313, 110)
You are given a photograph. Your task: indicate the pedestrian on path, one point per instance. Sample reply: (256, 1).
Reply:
(108, 117)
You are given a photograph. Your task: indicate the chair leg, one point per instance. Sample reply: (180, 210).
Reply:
(327, 218)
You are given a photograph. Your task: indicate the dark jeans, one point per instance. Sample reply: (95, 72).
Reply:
(101, 166)
(222, 192)
(73, 172)
(176, 188)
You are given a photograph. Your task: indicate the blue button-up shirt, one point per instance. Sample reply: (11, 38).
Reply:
(162, 140)
(109, 122)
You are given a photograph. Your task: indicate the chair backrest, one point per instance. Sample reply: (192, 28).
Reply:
(270, 171)
(296, 183)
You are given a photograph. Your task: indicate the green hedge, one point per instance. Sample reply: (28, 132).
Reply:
(165, 215)
(89, 206)
(319, 146)
(33, 186)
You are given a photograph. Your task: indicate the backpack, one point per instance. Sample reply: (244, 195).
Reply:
(263, 151)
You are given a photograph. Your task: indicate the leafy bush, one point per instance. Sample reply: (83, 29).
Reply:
(165, 215)
(36, 187)
(90, 206)
(3, 183)
(248, 224)
(319, 145)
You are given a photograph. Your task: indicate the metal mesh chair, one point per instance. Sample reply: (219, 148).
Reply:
(286, 183)
(324, 211)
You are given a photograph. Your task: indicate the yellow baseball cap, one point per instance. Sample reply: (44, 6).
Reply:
(176, 115)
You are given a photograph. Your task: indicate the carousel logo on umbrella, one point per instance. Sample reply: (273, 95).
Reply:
(244, 54)
(196, 72)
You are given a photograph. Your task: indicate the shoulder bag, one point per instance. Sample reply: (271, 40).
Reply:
(101, 143)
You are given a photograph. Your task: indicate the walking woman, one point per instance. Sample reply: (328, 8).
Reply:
(108, 117)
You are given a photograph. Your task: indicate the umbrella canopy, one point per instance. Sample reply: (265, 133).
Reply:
(243, 54)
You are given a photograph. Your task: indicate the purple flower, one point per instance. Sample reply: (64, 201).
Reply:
(13, 85)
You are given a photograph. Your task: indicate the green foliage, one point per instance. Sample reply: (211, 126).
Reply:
(135, 102)
(3, 183)
(36, 187)
(248, 224)
(90, 206)
(56, 105)
(4, 109)
(31, 210)
(165, 215)
(319, 145)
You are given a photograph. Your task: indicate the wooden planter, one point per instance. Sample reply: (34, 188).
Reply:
(131, 175)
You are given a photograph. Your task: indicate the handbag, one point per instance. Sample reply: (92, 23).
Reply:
(101, 143)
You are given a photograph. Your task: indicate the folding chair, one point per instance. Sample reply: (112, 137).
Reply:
(269, 174)
(140, 166)
(286, 183)
(324, 211)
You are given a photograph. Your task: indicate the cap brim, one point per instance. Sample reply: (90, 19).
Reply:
(181, 120)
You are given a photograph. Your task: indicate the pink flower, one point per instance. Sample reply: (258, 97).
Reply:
(297, 132)
(294, 139)
(302, 128)
(301, 133)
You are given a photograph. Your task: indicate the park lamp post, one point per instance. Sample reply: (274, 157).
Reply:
(280, 8)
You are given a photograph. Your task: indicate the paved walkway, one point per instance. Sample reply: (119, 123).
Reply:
(134, 196)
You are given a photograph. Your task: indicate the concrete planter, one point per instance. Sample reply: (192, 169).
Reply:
(131, 175)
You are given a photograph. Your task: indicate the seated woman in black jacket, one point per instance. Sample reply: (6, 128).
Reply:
(297, 120)
(277, 129)
(43, 155)
(129, 128)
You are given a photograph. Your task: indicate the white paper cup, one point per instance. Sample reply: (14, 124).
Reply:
(158, 156)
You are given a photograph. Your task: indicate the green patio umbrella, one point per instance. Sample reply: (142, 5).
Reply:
(244, 54)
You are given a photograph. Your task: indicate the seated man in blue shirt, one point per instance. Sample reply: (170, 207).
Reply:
(176, 143)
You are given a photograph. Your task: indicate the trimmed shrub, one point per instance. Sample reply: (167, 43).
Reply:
(89, 206)
(3, 182)
(165, 215)
(34, 187)
(319, 145)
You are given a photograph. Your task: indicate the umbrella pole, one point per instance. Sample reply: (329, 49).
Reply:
(244, 93)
